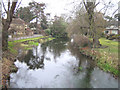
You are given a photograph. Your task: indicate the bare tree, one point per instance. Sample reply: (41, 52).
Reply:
(90, 7)
(6, 22)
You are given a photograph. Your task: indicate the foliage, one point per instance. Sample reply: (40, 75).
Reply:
(44, 24)
(113, 36)
(25, 14)
(48, 31)
(82, 41)
(80, 25)
(58, 28)
(38, 11)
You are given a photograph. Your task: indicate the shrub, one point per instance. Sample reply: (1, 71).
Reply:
(82, 41)
(102, 35)
(113, 36)
(58, 28)
(48, 31)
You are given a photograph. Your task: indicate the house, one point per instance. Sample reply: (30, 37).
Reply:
(29, 32)
(18, 27)
(113, 27)
(112, 30)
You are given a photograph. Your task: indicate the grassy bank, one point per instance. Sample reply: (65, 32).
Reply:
(13, 45)
(106, 57)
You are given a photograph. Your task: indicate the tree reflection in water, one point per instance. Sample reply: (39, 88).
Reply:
(89, 66)
(35, 58)
(56, 47)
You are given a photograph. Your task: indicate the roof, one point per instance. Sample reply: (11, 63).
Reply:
(113, 22)
(112, 27)
(18, 21)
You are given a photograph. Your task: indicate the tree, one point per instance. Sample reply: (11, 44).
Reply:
(25, 14)
(44, 24)
(6, 23)
(90, 7)
(117, 16)
(58, 27)
(38, 10)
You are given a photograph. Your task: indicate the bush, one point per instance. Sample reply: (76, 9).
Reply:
(48, 31)
(113, 36)
(116, 36)
(102, 35)
(82, 41)
(58, 28)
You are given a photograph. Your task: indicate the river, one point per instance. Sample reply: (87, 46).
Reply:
(57, 64)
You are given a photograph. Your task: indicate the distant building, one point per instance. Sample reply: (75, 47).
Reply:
(112, 30)
(18, 27)
(113, 27)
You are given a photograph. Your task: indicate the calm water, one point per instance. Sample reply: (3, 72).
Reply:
(56, 64)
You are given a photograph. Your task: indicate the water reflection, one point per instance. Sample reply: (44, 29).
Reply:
(56, 46)
(56, 64)
(35, 58)
(86, 65)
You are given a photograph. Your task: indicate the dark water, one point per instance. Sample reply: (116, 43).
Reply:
(56, 64)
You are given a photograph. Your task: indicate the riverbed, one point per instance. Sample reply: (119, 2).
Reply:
(57, 64)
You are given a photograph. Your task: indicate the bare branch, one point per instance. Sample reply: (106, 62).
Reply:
(115, 11)
(4, 6)
(18, 5)
(96, 4)
(8, 5)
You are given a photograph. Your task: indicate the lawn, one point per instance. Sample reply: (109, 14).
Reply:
(106, 58)
(14, 45)
(109, 56)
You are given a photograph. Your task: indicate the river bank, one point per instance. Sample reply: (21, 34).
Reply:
(105, 57)
(10, 56)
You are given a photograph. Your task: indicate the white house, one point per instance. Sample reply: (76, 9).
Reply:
(112, 30)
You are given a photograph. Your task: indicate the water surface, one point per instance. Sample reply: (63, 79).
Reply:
(56, 64)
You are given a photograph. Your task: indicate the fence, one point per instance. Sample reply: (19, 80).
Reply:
(13, 39)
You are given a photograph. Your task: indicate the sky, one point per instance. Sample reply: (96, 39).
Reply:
(55, 7)
(58, 7)
(65, 7)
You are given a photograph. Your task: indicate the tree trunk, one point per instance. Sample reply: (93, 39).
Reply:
(5, 36)
(6, 25)
(96, 42)
(90, 6)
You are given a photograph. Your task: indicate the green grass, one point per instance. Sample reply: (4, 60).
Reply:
(108, 67)
(112, 45)
(107, 58)
(11, 47)
(33, 43)
(109, 55)
(12, 44)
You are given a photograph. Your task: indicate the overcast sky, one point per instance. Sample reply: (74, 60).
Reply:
(58, 7)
